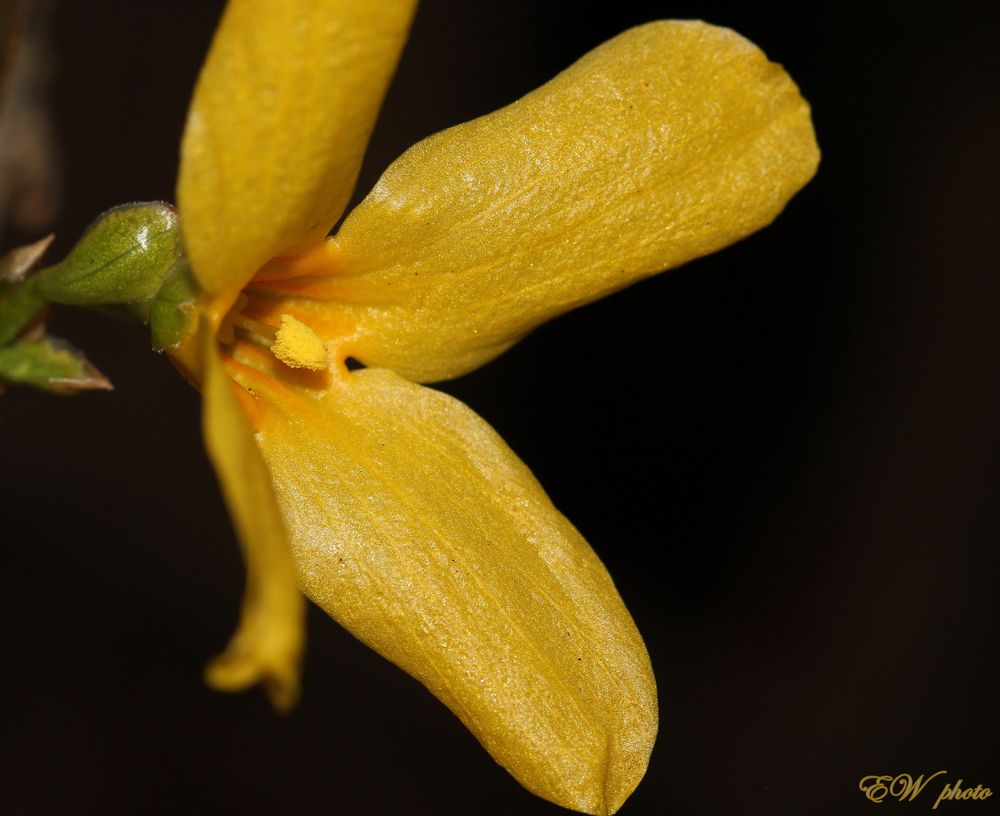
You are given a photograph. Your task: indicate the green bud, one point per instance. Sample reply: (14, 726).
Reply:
(123, 258)
(51, 365)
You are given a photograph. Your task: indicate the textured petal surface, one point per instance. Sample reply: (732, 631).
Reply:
(416, 528)
(268, 643)
(666, 143)
(278, 125)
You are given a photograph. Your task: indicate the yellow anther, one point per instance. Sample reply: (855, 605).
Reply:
(298, 346)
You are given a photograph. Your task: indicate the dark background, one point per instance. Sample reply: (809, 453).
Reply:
(805, 527)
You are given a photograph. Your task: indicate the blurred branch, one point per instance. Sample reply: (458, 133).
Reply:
(30, 184)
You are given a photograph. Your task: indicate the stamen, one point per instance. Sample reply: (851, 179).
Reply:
(226, 334)
(251, 329)
(260, 331)
(298, 346)
(293, 342)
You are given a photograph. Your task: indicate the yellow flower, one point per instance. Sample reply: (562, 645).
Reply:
(393, 506)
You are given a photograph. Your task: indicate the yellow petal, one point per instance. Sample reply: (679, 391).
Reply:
(415, 527)
(278, 125)
(268, 644)
(666, 143)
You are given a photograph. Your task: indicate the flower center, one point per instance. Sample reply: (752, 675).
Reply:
(292, 342)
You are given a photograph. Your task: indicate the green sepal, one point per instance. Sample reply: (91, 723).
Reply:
(123, 258)
(50, 364)
(172, 310)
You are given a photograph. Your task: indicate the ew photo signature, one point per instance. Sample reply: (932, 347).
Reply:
(906, 788)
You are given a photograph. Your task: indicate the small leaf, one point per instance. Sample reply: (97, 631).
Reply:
(123, 258)
(50, 364)
(16, 264)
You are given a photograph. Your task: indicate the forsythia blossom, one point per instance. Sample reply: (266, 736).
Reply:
(393, 506)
